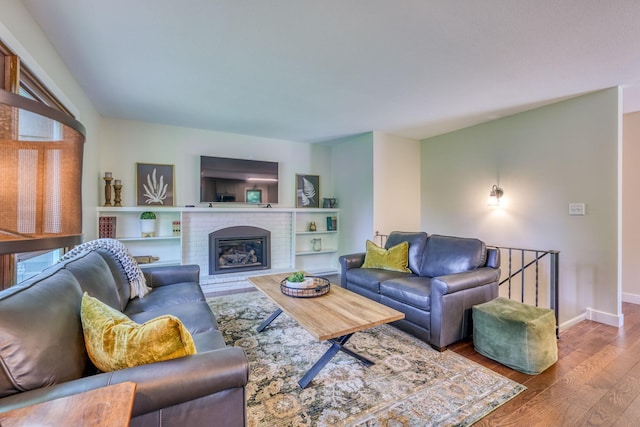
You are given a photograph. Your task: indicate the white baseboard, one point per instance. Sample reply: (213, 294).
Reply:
(631, 298)
(606, 318)
(571, 322)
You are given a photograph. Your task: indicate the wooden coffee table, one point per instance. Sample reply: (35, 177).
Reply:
(332, 317)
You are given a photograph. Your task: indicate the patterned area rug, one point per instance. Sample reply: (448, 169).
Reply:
(410, 384)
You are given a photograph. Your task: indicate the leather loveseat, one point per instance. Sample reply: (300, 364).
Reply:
(43, 354)
(448, 276)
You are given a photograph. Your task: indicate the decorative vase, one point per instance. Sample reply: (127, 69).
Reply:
(148, 224)
(147, 227)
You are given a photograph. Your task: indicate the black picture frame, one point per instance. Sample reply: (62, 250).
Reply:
(155, 185)
(307, 191)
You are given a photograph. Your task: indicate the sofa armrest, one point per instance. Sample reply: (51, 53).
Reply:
(452, 297)
(348, 262)
(159, 385)
(452, 283)
(185, 379)
(170, 274)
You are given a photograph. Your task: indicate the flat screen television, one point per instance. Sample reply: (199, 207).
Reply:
(238, 181)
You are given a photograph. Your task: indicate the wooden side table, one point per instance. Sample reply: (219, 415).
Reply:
(106, 406)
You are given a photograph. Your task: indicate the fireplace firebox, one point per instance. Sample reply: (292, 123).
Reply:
(241, 248)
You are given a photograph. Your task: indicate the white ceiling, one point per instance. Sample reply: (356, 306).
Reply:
(310, 70)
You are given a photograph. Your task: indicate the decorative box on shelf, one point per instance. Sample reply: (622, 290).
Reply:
(107, 227)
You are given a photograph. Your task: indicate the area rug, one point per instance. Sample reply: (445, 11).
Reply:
(410, 384)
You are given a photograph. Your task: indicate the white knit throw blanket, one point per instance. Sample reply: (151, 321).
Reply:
(137, 282)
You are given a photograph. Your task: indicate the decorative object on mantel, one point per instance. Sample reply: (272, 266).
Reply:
(329, 203)
(312, 226)
(117, 189)
(307, 191)
(154, 184)
(147, 224)
(308, 287)
(107, 188)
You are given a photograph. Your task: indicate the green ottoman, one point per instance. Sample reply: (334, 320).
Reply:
(517, 335)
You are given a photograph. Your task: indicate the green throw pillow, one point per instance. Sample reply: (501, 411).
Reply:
(396, 258)
(116, 342)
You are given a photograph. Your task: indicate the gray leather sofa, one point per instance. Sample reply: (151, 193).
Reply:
(43, 356)
(448, 276)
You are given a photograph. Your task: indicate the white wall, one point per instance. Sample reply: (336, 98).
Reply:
(124, 143)
(396, 183)
(544, 159)
(23, 36)
(352, 160)
(631, 208)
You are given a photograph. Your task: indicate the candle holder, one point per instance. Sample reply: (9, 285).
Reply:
(117, 189)
(107, 190)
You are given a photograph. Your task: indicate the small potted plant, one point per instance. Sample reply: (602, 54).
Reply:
(147, 224)
(297, 280)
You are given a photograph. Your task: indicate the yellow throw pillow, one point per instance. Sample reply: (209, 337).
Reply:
(116, 342)
(396, 258)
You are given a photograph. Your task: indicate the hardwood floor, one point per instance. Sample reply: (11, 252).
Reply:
(596, 381)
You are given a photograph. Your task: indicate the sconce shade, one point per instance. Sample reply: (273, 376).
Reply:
(40, 176)
(494, 196)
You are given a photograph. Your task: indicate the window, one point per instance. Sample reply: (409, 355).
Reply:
(31, 263)
(40, 173)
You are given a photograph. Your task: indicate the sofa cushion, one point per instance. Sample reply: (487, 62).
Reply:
(449, 255)
(119, 276)
(414, 291)
(416, 240)
(41, 341)
(115, 342)
(208, 341)
(396, 258)
(370, 278)
(195, 316)
(166, 296)
(95, 277)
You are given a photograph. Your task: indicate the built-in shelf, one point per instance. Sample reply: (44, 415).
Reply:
(188, 247)
(316, 232)
(324, 251)
(147, 239)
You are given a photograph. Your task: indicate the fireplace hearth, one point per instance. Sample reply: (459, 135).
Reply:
(240, 248)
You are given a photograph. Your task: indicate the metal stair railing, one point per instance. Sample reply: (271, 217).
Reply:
(525, 265)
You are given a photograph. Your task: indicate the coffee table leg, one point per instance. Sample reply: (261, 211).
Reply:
(336, 346)
(269, 319)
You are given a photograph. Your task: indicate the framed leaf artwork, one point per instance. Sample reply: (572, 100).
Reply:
(154, 185)
(307, 191)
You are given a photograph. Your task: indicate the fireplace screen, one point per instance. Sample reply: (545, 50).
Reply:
(236, 249)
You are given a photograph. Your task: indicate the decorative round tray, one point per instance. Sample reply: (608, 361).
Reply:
(319, 286)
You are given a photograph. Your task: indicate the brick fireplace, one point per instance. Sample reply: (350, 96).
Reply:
(197, 224)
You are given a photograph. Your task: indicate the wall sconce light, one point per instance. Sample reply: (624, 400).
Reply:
(494, 196)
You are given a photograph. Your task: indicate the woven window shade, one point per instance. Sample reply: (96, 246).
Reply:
(40, 176)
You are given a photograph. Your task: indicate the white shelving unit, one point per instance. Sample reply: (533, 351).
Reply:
(306, 258)
(164, 245)
(172, 250)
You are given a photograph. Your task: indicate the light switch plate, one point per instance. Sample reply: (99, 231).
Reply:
(576, 209)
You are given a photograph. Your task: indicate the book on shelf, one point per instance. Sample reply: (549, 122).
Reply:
(107, 227)
(332, 223)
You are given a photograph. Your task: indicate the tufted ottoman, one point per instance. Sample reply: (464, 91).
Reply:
(517, 335)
